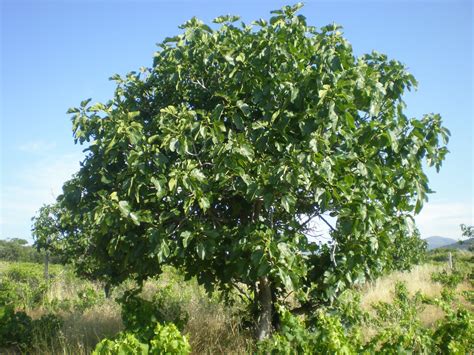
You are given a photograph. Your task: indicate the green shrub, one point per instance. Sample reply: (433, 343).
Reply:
(327, 336)
(125, 343)
(170, 307)
(400, 330)
(25, 285)
(18, 330)
(165, 339)
(138, 313)
(449, 279)
(455, 333)
(15, 328)
(8, 293)
(46, 328)
(88, 298)
(168, 340)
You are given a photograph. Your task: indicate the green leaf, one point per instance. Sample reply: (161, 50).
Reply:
(392, 137)
(173, 144)
(286, 279)
(226, 18)
(154, 138)
(73, 110)
(229, 59)
(186, 237)
(172, 183)
(124, 208)
(201, 251)
(244, 108)
(85, 102)
(275, 115)
(204, 203)
(135, 218)
(246, 151)
(349, 120)
(132, 115)
(288, 201)
(362, 168)
(294, 93)
(159, 186)
(198, 175)
(217, 112)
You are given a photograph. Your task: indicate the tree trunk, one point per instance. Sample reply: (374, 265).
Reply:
(264, 325)
(46, 266)
(107, 290)
(276, 322)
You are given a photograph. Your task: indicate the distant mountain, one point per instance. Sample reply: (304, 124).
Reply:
(464, 244)
(439, 242)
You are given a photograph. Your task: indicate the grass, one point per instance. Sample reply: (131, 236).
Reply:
(416, 280)
(211, 327)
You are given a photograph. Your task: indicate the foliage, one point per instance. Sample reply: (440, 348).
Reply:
(168, 340)
(467, 231)
(23, 285)
(219, 157)
(400, 328)
(449, 279)
(87, 298)
(16, 249)
(15, 328)
(165, 339)
(455, 334)
(328, 336)
(141, 316)
(124, 343)
(46, 328)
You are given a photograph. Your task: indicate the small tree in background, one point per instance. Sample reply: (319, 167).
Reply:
(46, 231)
(219, 157)
(467, 231)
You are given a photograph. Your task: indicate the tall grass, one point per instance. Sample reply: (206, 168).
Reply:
(211, 327)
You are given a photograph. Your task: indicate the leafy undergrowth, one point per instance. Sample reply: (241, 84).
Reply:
(427, 310)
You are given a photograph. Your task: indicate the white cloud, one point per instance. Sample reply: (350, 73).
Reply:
(443, 219)
(37, 147)
(33, 185)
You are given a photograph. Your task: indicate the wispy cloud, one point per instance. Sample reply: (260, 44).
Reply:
(444, 219)
(37, 147)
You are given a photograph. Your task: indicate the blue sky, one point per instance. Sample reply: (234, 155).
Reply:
(56, 53)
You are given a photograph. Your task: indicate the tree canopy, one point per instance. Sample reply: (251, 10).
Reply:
(219, 158)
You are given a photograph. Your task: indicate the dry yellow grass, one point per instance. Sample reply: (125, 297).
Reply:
(211, 327)
(418, 279)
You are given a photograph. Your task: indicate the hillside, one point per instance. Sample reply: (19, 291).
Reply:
(464, 244)
(439, 242)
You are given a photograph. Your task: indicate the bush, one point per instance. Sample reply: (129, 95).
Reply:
(169, 307)
(455, 333)
(87, 298)
(24, 284)
(8, 294)
(448, 279)
(168, 340)
(15, 328)
(125, 343)
(138, 313)
(46, 328)
(327, 336)
(165, 339)
(400, 328)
